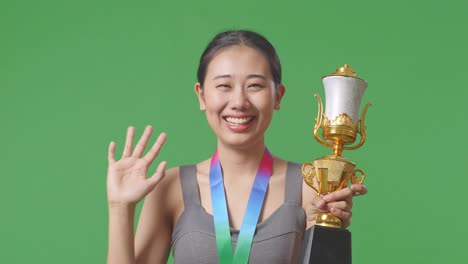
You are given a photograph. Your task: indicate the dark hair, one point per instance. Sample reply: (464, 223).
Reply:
(240, 37)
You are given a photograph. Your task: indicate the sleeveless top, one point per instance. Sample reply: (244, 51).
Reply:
(278, 238)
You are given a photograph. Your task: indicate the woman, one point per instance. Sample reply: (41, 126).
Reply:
(239, 87)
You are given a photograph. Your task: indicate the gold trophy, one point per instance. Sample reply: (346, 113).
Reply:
(327, 242)
(340, 125)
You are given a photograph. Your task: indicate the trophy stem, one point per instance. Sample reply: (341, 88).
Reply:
(337, 148)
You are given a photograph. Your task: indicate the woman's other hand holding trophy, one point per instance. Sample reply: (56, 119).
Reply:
(338, 203)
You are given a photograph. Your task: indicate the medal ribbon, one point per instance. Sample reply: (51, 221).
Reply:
(252, 212)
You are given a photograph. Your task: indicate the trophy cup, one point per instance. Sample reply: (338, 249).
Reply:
(327, 242)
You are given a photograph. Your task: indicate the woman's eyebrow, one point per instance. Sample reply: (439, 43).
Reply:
(256, 76)
(250, 76)
(222, 76)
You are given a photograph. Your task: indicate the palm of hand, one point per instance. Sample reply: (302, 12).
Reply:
(127, 181)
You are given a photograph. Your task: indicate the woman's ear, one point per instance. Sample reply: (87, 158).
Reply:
(201, 99)
(280, 91)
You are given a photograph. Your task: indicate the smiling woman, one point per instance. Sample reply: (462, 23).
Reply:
(239, 95)
(241, 205)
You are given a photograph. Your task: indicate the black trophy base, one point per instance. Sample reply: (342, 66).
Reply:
(326, 245)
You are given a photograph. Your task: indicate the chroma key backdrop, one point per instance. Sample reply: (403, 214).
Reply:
(75, 74)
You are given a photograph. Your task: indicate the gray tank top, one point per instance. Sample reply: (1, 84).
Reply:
(278, 239)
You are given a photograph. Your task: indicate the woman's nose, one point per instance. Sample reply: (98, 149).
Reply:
(239, 99)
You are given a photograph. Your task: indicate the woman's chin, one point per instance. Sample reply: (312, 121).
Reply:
(241, 140)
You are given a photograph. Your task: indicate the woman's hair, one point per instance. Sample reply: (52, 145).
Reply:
(240, 37)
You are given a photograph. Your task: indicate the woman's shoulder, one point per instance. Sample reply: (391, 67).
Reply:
(167, 192)
(173, 174)
(284, 163)
(295, 168)
(171, 178)
(171, 183)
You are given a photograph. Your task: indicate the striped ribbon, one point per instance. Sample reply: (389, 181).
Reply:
(252, 212)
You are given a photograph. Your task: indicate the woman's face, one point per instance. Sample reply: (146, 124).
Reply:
(239, 95)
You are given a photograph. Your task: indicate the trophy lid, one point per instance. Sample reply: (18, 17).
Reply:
(344, 71)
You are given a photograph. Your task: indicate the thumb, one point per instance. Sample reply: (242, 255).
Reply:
(319, 203)
(158, 175)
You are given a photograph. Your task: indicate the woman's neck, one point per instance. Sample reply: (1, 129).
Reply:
(240, 162)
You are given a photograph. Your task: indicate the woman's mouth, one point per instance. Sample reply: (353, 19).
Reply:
(239, 124)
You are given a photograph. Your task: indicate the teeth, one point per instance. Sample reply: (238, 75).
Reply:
(236, 120)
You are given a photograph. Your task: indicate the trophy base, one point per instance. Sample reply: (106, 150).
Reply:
(325, 245)
(328, 220)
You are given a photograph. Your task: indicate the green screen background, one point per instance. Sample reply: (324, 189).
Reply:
(75, 74)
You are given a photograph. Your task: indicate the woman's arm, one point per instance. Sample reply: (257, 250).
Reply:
(161, 209)
(152, 242)
(127, 184)
(120, 245)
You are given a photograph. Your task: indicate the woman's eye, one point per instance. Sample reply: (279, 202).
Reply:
(223, 86)
(256, 85)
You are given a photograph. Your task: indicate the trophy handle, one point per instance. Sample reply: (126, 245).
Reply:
(355, 179)
(361, 129)
(308, 175)
(318, 122)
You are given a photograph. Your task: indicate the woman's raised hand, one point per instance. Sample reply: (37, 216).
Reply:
(126, 178)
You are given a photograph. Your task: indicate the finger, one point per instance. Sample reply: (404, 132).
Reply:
(128, 142)
(140, 147)
(342, 205)
(111, 152)
(358, 189)
(158, 174)
(343, 215)
(343, 194)
(154, 151)
(319, 203)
